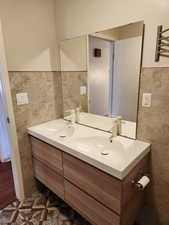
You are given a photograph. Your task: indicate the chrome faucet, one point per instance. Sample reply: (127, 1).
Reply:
(74, 115)
(69, 123)
(116, 128)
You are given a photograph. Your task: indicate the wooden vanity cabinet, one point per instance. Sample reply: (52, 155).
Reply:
(49, 155)
(88, 207)
(101, 186)
(54, 181)
(120, 196)
(101, 198)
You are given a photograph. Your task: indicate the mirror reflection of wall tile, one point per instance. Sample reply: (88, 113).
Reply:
(111, 80)
(71, 83)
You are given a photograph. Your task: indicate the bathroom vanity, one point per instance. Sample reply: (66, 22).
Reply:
(93, 176)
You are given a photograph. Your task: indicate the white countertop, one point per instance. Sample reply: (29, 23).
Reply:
(89, 144)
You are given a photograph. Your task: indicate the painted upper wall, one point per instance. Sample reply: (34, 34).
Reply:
(32, 28)
(30, 34)
(80, 17)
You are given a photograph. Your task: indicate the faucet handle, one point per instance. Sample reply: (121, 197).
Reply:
(71, 116)
(116, 129)
(70, 111)
(119, 124)
(77, 114)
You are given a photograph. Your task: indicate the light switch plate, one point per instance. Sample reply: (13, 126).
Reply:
(83, 90)
(146, 100)
(22, 98)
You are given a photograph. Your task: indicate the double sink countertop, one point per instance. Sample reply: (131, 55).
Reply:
(93, 146)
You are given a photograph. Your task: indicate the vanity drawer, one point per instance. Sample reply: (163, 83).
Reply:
(103, 187)
(88, 207)
(49, 178)
(49, 155)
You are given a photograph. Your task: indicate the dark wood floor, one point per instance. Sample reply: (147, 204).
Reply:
(7, 191)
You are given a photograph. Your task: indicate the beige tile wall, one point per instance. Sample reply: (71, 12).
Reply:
(153, 126)
(71, 82)
(45, 103)
(45, 96)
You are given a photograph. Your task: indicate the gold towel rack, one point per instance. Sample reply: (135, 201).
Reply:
(162, 45)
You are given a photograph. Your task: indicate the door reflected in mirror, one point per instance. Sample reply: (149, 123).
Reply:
(100, 75)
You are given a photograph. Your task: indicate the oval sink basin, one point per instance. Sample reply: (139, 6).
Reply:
(66, 132)
(101, 147)
(100, 143)
(57, 129)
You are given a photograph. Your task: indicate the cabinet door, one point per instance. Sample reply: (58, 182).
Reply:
(88, 207)
(103, 187)
(47, 154)
(49, 178)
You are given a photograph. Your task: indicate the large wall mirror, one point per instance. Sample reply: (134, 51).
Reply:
(100, 75)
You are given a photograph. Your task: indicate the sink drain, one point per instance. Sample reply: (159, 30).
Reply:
(62, 136)
(104, 153)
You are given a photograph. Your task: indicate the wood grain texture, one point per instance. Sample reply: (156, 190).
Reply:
(7, 190)
(100, 198)
(88, 207)
(49, 155)
(128, 189)
(96, 183)
(132, 209)
(133, 199)
(49, 177)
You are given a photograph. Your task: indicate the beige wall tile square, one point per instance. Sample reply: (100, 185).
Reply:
(45, 103)
(153, 126)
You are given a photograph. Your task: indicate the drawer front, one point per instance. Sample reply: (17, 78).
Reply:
(49, 155)
(88, 207)
(96, 183)
(49, 178)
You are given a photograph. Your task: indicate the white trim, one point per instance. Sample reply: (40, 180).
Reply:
(88, 69)
(15, 156)
(110, 82)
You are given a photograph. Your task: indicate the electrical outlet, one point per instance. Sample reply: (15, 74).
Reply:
(83, 90)
(22, 98)
(146, 100)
